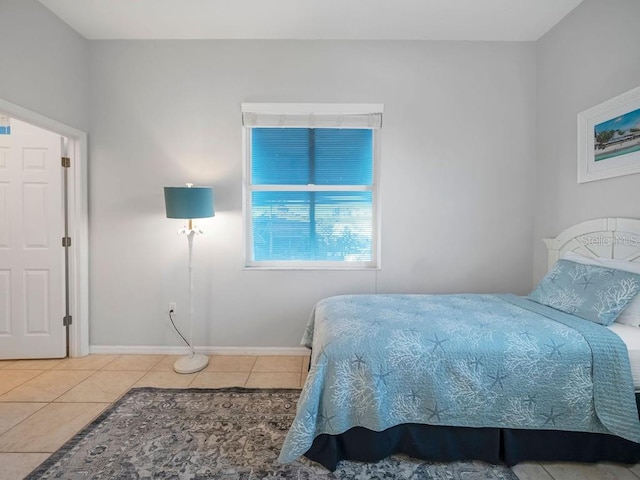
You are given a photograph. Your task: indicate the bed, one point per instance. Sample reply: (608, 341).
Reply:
(498, 378)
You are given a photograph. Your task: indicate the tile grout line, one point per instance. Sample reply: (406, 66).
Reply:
(20, 384)
(29, 416)
(94, 372)
(24, 419)
(71, 388)
(162, 357)
(633, 473)
(110, 362)
(255, 360)
(548, 472)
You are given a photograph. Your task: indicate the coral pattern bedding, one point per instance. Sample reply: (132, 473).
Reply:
(460, 360)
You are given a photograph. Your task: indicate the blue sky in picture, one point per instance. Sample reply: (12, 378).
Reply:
(623, 122)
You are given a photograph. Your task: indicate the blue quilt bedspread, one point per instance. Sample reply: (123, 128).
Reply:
(459, 360)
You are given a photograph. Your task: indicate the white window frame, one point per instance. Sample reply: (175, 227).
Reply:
(312, 111)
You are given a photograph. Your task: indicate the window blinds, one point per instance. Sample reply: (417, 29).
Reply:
(302, 156)
(312, 115)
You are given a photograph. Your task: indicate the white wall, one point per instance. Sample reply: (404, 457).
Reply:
(459, 162)
(44, 63)
(457, 176)
(589, 57)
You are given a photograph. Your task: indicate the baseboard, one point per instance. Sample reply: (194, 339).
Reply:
(168, 350)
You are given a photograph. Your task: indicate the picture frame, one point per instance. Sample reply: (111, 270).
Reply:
(609, 138)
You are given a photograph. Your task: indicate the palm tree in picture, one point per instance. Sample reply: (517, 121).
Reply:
(603, 137)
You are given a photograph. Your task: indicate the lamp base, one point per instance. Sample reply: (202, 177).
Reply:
(189, 364)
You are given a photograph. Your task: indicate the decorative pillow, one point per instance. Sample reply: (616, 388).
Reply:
(631, 313)
(594, 293)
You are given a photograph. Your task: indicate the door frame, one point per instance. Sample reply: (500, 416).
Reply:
(78, 222)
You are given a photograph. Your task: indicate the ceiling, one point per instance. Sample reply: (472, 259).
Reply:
(505, 20)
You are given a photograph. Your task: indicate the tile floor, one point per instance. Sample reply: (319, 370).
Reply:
(43, 403)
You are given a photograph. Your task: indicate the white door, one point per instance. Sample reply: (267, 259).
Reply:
(31, 253)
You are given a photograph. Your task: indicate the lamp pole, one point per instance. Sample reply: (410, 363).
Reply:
(190, 236)
(194, 362)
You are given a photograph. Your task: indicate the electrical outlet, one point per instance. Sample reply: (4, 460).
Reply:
(172, 307)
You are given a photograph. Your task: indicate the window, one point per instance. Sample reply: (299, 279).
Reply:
(310, 185)
(5, 125)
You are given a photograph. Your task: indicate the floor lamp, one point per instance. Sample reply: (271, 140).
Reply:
(188, 203)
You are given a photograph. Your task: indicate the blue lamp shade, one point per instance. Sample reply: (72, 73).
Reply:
(189, 202)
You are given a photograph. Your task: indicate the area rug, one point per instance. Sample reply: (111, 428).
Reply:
(230, 434)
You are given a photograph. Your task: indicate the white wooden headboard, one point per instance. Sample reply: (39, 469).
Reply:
(617, 238)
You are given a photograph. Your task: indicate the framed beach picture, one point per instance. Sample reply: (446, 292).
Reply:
(609, 138)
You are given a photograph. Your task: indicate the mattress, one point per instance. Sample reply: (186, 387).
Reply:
(631, 337)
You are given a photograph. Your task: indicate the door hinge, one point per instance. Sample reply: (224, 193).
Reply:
(66, 241)
(66, 162)
(66, 321)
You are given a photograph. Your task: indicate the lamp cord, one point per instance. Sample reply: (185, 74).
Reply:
(176, 328)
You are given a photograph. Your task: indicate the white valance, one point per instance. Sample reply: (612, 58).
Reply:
(312, 115)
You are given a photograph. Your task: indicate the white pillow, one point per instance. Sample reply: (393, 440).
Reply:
(631, 314)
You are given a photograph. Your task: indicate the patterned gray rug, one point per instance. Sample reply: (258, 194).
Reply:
(230, 434)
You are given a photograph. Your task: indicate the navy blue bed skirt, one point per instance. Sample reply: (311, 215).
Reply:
(493, 445)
